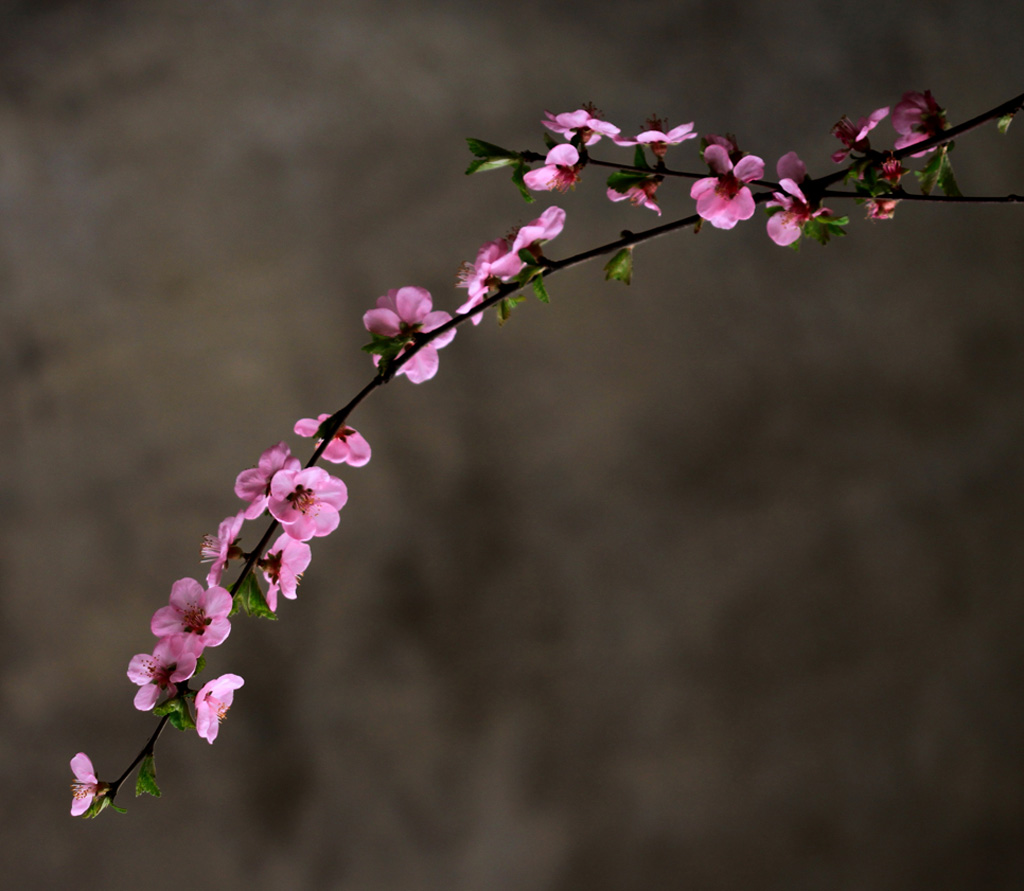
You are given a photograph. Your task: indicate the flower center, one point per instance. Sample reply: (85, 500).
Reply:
(303, 499)
(728, 186)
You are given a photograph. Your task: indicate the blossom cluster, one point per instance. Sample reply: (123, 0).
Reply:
(724, 198)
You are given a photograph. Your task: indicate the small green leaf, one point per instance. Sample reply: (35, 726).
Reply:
(178, 713)
(540, 291)
(624, 180)
(639, 158)
(946, 180)
(1004, 122)
(505, 307)
(250, 595)
(620, 267)
(114, 807)
(98, 805)
(549, 140)
(528, 258)
(518, 173)
(928, 176)
(822, 228)
(200, 665)
(489, 150)
(482, 165)
(146, 781)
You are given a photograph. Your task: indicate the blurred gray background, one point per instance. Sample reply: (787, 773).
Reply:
(711, 582)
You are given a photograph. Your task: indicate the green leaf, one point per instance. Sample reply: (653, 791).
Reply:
(549, 140)
(823, 228)
(928, 176)
(540, 291)
(639, 158)
(528, 258)
(517, 178)
(200, 665)
(178, 713)
(146, 781)
(624, 180)
(620, 267)
(505, 307)
(946, 180)
(1004, 122)
(114, 807)
(482, 165)
(250, 595)
(489, 150)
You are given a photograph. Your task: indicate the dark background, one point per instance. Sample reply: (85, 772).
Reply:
(713, 582)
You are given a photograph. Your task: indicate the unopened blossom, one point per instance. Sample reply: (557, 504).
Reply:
(405, 312)
(173, 660)
(195, 612)
(86, 788)
(254, 485)
(222, 547)
(561, 170)
(723, 200)
(785, 226)
(641, 195)
(657, 139)
(283, 565)
(917, 117)
(212, 703)
(893, 171)
(347, 446)
(499, 261)
(854, 136)
(306, 502)
(582, 121)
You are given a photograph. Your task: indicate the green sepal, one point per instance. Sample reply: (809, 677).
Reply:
(250, 597)
(178, 713)
(100, 804)
(539, 290)
(505, 307)
(146, 780)
(1004, 122)
(640, 158)
(527, 257)
(624, 180)
(822, 228)
(620, 267)
(114, 807)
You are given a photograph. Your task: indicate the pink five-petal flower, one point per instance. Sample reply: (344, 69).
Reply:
(785, 226)
(196, 613)
(283, 565)
(854, 136)
(212, 703)
(479, 277)
(347, 446)
(656, 137)
(582, 121)
(173, 660)
(724, 200)
(881, 208)
(254, 485)
(561, 170)
(86, 788)
(405, 312)
(642, 194)
(917, 117)
(306, 502)
(222, 547)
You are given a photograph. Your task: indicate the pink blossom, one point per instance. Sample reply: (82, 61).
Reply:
(854, 136)
(283, 565)
(479, 277)
(212, 703)
(657, 139)
(786, 225)
(561, 170)
(403, 313)
(499, 261)
(641, 195)
(724, 200)
(254, 485)
(581, 121)
(306, 502)
(86, 788)
(917, 117)
(222, 547)
(881, 208)
(173, 660)
(196, 613)
(347, 446)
